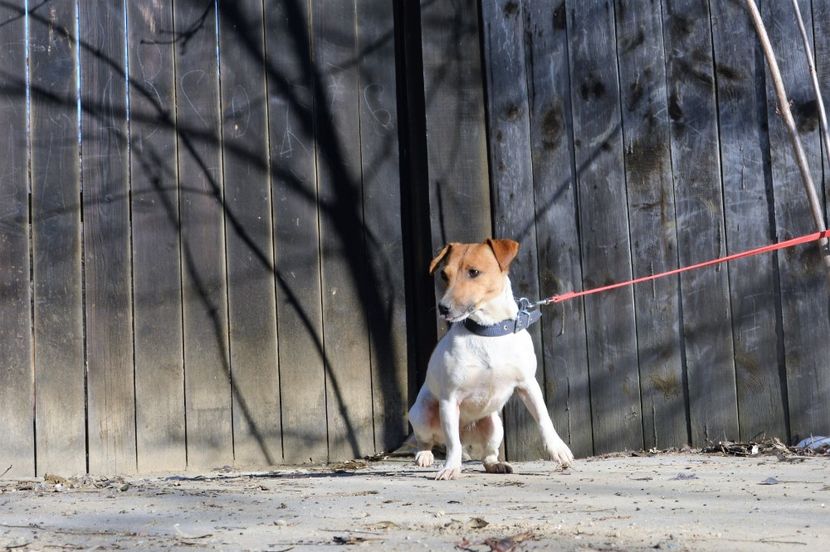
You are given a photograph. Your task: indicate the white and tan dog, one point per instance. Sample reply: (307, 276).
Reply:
(470, 377)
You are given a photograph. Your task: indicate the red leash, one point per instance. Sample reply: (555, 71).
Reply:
(765, 249)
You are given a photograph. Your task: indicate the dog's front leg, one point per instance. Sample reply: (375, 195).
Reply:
(450, 425)
(532, 397)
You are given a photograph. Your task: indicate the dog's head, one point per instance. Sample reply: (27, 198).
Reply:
(473, 273)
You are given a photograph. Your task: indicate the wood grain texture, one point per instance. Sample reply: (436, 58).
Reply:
(344, 268)
(382, 207)
(742, 116)
(456, 133)
(250, 249)
(804, 292)
(204, 293)
(651, 208)
(821, 38)
(512, 185)
(16, 385)
(157, 304)
(557, 228)
(707, 328)
(56, 242)
(606, 256)
(455, 125)
(294, 193)
(107, 258)
(821, 57)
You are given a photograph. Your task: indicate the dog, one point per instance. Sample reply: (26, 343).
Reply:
(476, 367)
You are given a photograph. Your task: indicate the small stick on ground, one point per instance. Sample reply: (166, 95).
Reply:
(789, 122)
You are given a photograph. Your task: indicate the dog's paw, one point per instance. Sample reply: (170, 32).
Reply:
(560, 453)
(498, 467)
(424, 458)
(448, 473)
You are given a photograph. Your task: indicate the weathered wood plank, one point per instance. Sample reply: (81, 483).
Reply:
(16, 389)
(557, 228)
(107, 259)
(344, 270)
(707, 316)
(206, 356)
(455, 126)
(512, 185)
(739, 67)
(456, 134)
(382, 209)
(606, 256)
(821, 24)
(251, 294)
(804, 304)
(294, 192)
(652, 227)
(56, 241)
(551, 145)
(821, 57)
(157, 304)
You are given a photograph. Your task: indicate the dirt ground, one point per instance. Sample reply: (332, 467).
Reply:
(666, 501)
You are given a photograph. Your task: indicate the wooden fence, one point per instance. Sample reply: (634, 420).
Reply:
(200, 236)
(213, 215)
(631, 137)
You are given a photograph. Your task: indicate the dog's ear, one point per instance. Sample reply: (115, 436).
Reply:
(505, 251)
(439, 257)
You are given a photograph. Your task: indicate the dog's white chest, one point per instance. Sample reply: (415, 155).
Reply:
(480, 372)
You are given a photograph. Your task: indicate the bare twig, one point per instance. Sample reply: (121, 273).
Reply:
(822, 113)
(789, 122)
(7, 470)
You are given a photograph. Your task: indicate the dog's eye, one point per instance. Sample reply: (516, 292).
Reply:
(473, 273)
(444, 276)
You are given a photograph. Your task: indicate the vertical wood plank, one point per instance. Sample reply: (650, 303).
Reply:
(456, 133)
(16, 385)
(382, 209)
(56, 238)
(294, 192)
(739, 71)
(700, 225)
(651, 208)
(107, 262)
(611, 332)
(206, 357)
(821, 57)
(159, 374)
(804, 303)
(821, 54)
(348, 371)
(251, 299)
(557, 227)
(455, 127)
(512, 181)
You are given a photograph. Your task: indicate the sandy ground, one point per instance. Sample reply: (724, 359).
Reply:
(668, 501)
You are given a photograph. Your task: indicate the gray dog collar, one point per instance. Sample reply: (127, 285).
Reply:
(524, 319)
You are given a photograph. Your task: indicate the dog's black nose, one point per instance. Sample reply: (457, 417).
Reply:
(443, 309)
